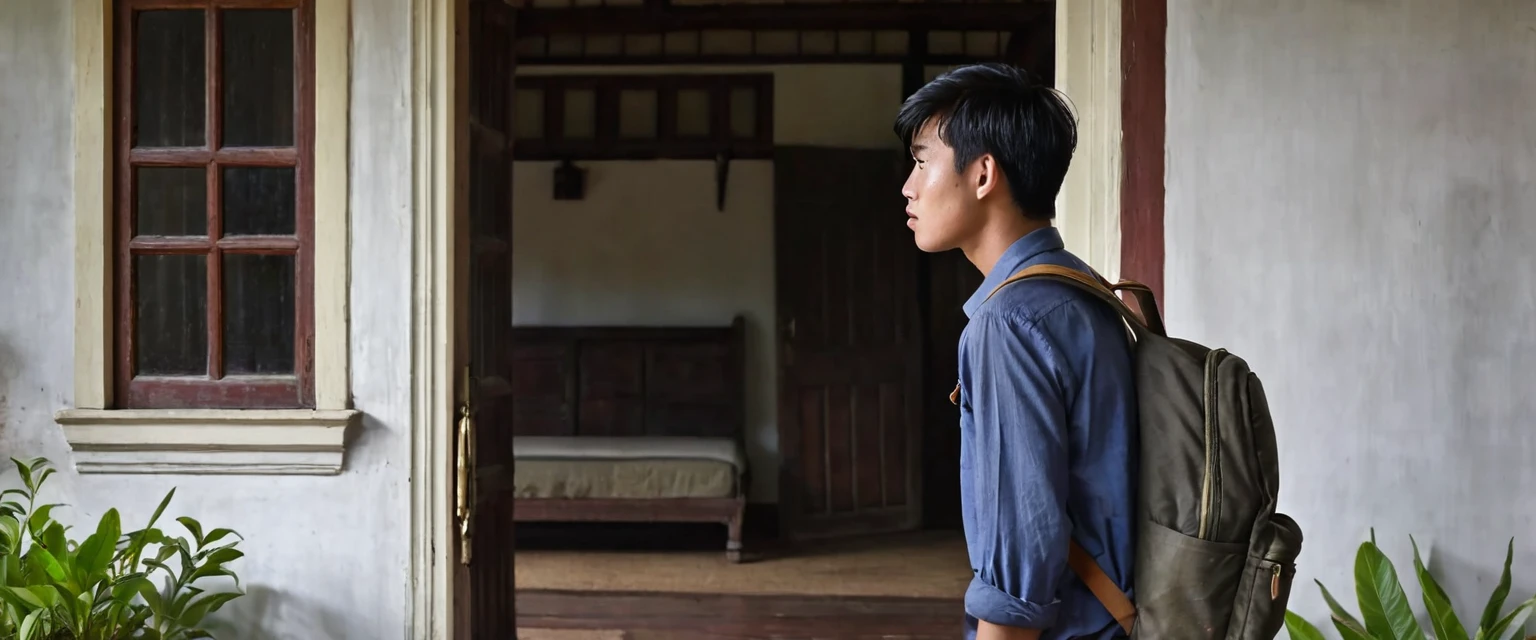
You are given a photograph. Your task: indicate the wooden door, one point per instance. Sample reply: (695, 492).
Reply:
(850, 352)
(948, 279)
(484, 584)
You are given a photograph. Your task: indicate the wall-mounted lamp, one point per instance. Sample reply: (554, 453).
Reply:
(722, 169)
(570, 181)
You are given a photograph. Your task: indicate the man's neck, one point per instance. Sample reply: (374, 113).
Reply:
(995, 239)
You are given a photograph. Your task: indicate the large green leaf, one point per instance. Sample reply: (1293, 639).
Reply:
(150, 534)
(1338, 610)
(1514, 621)
(40, 560)
(21, 598)
(28, 629)
(10, 535)
(1351, 630)
(1442, 614)
(95, 554)
(1300, 629)
(195, 527)
(1383, 604)
(26, 472)
(1347, 625)
(152, 598)
(208, 604)
(1496, 600)
(218, 534)
(40, 518)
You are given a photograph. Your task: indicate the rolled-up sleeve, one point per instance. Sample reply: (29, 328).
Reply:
(1018, 472)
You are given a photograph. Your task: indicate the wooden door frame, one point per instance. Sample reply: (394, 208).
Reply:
(439, 73)
(1127, 87)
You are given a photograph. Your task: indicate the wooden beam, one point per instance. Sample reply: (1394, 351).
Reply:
(882, 16)
(1143, 63)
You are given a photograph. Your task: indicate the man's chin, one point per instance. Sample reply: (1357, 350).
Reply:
(926, 245)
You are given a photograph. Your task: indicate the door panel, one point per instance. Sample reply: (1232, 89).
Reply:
(485, 583)
(850, 343)
(951, 279)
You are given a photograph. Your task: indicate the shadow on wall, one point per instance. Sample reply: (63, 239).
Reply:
(7, 365)
(268, 614)
(1476, 572)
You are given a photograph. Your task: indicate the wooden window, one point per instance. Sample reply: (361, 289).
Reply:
(214, 204)
(641, 117)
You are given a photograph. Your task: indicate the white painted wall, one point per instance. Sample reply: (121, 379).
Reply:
(646, 245)
(326, 557)
(1351, 206)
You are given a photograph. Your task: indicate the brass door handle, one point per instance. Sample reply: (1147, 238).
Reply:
(464, 495)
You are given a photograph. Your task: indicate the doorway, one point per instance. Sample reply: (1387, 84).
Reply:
(940, 280)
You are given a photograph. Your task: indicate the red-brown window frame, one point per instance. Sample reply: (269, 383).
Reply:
(215, 390)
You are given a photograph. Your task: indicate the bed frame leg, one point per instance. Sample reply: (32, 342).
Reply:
(733, 540)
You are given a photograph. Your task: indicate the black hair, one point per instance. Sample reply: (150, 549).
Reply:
(997, 109)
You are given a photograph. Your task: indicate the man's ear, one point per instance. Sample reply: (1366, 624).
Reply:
(987, 175)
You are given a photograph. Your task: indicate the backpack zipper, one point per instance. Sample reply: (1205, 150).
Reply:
(1210, 488)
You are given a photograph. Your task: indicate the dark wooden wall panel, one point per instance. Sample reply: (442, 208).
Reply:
(629, 381)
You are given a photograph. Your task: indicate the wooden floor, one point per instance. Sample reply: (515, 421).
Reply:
(547, 615)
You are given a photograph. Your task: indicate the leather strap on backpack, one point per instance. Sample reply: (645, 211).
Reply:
(1110, 595)
(1149, 319)
(1086, 568)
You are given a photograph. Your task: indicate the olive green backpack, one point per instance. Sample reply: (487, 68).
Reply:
(1213, 557)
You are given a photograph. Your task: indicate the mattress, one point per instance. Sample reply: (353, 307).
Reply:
(627, 468)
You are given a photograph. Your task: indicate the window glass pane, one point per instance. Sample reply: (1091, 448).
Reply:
(580, 113)
(258, 80)
(744, 112)
(693, 116)
(171, 201)
(171, 336)
(529, 113)
(637, 113)
(259, 292)
(168, 81)
(259, 201)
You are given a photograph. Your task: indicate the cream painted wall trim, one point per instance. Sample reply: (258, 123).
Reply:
(434, 50)
(256, 442)
(1088, 72)
(92, 428)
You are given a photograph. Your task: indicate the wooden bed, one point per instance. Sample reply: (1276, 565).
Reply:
(630, 424)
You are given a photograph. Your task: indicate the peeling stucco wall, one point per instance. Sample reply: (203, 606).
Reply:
(326, 557)
(1352, 207)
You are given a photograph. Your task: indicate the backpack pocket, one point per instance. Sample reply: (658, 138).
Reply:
(1184, 585)
(1260, 609)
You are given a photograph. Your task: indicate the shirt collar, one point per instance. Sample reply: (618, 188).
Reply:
(1018, 256)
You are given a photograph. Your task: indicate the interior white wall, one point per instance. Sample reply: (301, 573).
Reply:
(327, 557)
(1351, 207)
(646, 245)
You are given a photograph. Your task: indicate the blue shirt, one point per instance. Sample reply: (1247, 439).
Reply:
(1048, 448)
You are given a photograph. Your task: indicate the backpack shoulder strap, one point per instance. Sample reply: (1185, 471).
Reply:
(1150, 320)
(1086, 568)
(1110, 595)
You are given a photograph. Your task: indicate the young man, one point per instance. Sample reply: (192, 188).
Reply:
(1047, 396)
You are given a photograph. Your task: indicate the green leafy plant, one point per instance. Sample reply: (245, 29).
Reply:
(1386, 615)
(111, 586)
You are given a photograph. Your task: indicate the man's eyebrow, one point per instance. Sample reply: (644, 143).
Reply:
(917, 147)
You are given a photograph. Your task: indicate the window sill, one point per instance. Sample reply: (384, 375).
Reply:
(208, 442)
